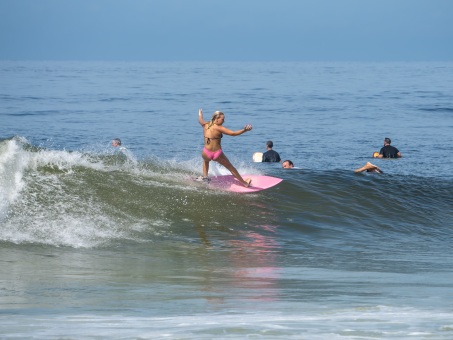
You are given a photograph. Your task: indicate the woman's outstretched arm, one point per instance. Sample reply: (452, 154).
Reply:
(229, 132)
(200, 118)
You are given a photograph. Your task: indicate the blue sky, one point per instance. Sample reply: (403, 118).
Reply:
(223, 30)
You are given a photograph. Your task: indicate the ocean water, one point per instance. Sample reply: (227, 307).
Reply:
(99, 244)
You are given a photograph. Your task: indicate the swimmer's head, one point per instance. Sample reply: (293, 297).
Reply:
(116, 142)
(287, 164)
(387, 140)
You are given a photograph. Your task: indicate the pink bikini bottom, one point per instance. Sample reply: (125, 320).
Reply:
(212, 154)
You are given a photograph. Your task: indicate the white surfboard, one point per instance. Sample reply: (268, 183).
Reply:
(257, 157)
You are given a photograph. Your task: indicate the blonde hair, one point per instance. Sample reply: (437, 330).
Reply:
(215, 116)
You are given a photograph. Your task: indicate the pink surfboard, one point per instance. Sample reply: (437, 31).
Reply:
(229, 183)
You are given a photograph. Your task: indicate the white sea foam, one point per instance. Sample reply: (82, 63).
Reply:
(380, 322)
(13, 162)
(55, 206)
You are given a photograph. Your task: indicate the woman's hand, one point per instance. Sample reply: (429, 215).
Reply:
(200, 117)
(248, 127)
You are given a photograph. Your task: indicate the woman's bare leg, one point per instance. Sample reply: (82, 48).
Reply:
(206, 161)
(223, 160)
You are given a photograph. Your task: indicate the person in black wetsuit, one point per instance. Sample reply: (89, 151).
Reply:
(271, 155)
(388, 151)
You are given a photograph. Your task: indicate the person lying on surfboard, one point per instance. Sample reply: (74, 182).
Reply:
(213, 131)
(368, 167)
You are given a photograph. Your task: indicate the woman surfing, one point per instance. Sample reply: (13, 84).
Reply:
(213, 132)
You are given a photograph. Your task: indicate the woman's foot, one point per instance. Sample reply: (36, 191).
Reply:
(247, 183)
(202, 179)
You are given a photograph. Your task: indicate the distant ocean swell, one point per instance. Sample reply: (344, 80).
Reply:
(82, 199)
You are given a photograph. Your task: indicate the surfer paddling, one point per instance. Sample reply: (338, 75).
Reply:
(213, 132)
(368, 167)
